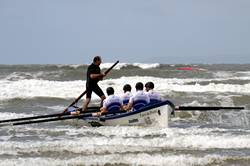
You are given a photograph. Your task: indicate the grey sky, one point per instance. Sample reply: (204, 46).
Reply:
(148, 31)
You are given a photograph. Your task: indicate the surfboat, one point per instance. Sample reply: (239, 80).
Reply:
(156, 114)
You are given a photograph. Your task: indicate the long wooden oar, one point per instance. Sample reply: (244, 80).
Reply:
(90, 110)
(204, 108)
(47, 120)
(59, 118)
(83, 93)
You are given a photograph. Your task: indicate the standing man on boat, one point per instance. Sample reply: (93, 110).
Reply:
(94, 75)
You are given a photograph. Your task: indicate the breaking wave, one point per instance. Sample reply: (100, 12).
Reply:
(129, 145)
(69, 89)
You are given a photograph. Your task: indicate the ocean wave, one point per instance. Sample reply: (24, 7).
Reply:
(40, 88)
(78, 72)
(245, 73)
(122, 144)
(224, 74)
(108, 65)
(71, 89)
(126, 159)
(123, 65)
(15, 76)
(19, 76)
(11, 115)
(73, 66)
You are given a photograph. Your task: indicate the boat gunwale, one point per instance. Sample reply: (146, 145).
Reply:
(126, 114)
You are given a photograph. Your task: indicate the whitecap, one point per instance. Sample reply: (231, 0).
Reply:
(122, 65)
(127, 159)
(71, 89)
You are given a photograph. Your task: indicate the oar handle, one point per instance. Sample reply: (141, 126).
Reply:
(109, 69)
(76, 100)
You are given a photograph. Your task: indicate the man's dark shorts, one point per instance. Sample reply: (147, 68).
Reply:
(95, 89)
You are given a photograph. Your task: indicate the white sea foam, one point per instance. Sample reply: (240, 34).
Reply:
(70, 89)
(246, 73)
(123, 140)
(39, 88)
(10, 115)
(121, 65)
(18, 76)
(128, 159)
(127, 145)
(74, 66)
(146, 66)
(223, 74)
(15, 76)
(241, 75)
(56, 108)
(117, 67)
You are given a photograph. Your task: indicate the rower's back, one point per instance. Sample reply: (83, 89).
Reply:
(112, 103)
(153, 96)
(140, 98)
(127, 94)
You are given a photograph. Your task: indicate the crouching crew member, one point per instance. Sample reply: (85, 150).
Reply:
(111, 104)
(139, 99)
(153, 96)
(127, 94)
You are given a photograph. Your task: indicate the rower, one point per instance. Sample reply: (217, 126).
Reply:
(127, 94)
(139, 99)
(111, 104)
(153, 96)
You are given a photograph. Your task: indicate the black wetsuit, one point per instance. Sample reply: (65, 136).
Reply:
(91, 84)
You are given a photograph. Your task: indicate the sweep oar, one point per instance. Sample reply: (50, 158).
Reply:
(90, 110)
(204, 108)
(59, 118)
(83, 93)
(47, 120)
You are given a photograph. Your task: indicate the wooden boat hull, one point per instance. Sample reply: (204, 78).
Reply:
(152, 115)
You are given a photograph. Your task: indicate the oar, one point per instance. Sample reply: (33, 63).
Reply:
(65, 117)
(90, 110)
(47, 120)
(83, 93)
(204, 108)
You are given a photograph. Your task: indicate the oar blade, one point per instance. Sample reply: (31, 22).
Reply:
(204, 108)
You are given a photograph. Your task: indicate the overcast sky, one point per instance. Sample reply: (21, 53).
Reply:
(147, 31)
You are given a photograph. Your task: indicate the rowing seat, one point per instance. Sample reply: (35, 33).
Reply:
(139, 104)
(153, 101)
(114, 108)
(125, 101)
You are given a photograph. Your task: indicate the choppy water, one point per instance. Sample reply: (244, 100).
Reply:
(194, 138)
